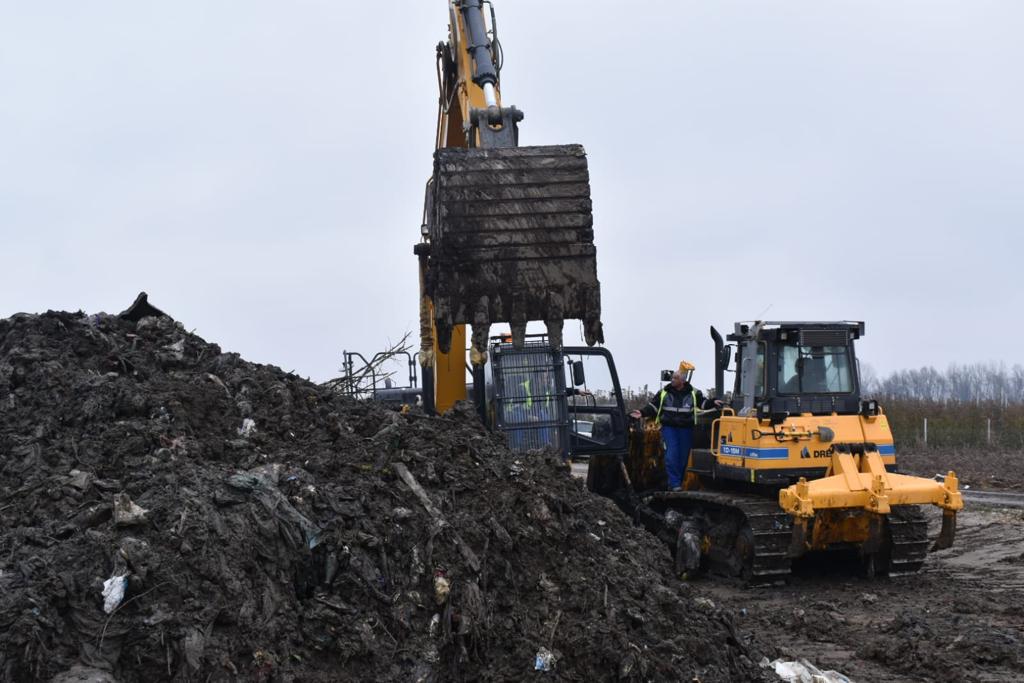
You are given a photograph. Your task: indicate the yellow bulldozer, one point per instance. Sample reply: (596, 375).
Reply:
(795, 461)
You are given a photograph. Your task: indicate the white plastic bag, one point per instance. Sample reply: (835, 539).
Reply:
(544, 661)
(113, 592)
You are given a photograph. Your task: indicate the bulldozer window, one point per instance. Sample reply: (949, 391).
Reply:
(759, 371)
(814, 370)
(759, 382)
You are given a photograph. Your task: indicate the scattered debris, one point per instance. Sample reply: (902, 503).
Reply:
(141, 308)
(705, 604)
(113, 592)
(127, 513)
(248, 427)
(83, 674)
(442, 588)
(803, 671)
(544, 660)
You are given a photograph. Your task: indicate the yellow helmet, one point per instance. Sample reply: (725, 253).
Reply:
(686, 369)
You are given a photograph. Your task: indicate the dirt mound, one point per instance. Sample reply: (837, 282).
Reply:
(171, 511)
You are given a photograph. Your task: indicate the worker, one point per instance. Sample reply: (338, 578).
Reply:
(809, 376)
(675, 410)
(531, 416)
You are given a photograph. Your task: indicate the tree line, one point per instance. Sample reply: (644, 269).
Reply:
(972, 383)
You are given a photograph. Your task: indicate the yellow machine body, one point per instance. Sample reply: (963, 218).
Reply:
(846, 483)
(796, 444)
(449, 369)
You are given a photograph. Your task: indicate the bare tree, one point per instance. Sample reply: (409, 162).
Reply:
(362, 376)
(869, 384)
(975, 383)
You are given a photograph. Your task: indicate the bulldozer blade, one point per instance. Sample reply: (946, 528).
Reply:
(511, 240)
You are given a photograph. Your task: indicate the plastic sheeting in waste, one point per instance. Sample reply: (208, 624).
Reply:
(803, 671)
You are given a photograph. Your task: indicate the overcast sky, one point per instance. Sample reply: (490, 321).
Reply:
(258, 167)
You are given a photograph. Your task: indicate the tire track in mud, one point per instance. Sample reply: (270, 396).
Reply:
(995, 499)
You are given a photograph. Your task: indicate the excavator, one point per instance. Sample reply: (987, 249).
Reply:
(507, 231)
(794, 462)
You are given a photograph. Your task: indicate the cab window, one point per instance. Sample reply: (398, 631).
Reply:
(814, 370)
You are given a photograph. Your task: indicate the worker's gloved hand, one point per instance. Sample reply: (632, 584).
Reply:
(636, 414)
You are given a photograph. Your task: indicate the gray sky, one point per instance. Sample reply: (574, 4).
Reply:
(258, 167)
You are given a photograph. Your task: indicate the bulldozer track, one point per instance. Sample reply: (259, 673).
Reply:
(771, 528)
(908, 535)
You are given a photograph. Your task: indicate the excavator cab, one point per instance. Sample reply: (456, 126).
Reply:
(596, 406)
(566, 399)
(528, 395)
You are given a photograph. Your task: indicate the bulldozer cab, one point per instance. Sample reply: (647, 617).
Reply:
(795, 368)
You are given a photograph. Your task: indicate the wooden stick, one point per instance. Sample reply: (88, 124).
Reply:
(406, 476)
(554, 628)
(403, 472)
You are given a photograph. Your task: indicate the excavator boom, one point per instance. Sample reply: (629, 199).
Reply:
(508, 234)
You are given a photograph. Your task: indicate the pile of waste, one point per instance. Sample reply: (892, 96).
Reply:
(172, 511)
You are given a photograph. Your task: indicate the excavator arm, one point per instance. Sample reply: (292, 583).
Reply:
(507, 235)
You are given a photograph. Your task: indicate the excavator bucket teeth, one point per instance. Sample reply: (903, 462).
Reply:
(511, 232)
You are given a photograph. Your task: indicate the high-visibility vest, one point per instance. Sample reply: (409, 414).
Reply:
(661, 404)
(525, 384)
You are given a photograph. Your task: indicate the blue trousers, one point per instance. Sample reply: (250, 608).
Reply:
(677, 452)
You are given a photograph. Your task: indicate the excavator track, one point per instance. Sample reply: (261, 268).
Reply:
(753, 529)
(908, 537)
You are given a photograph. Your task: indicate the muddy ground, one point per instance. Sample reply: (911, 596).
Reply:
(959, 619)
(976, 468)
